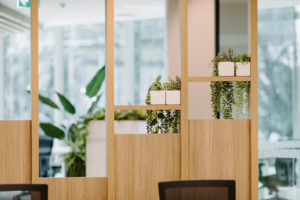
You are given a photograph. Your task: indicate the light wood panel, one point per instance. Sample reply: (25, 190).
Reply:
(144, 160)
(254, 103)
(15, 152)
(76, 188)
(184, 87)
(110, 99)
(219, 78)
(34, 89)
(220, 149)
(149, 107)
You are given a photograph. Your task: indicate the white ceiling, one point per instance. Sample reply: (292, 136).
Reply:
(63, 12)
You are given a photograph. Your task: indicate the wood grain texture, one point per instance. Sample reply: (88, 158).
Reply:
(76, 188)
(15, 152)
(110, 99)
(148, 107)
(220, 149)
(35, 88)
(254, 103)
(184, 88)
(144, 160)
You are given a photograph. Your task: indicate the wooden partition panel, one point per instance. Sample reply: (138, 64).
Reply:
(76, 188)
(15, 152)
(220, 149)
(142, 161)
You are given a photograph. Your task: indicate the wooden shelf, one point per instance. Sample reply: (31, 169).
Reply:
(219, 78)
(148, 107)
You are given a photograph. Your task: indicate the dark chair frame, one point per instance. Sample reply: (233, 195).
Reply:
(230, 184)
(43, 189)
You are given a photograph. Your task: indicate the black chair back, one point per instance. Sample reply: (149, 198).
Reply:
(197, 190)
(24, 191)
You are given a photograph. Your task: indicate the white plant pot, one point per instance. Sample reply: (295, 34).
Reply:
(243, 69)
(226, 68)
(173, 97)
(158, 97)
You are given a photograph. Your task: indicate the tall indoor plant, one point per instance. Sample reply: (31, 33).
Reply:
(73, 134)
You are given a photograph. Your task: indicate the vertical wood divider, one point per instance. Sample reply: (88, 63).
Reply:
(109, 13)
(184, 89)
(34, 90)
(254, 103)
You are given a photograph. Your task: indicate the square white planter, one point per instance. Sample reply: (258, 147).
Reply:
(158, 97)
(243, 69)
(173, 97)
(226, 68)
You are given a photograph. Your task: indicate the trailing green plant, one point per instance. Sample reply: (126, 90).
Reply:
(163, 121)
(241, 95)
(221, 92)
(228, 95)
(243, 58)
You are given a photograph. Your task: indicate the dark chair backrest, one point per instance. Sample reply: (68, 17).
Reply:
(21, 191)
(197, 190)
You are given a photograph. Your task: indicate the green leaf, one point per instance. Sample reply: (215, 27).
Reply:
(68, 106)
(95, 84)
(52, 131)
(94, 104)
(48, 102)
(73, 133)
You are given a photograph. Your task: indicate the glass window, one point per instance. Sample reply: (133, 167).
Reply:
(15, 61)
(279, 105)
(71, 88)
(146, 45)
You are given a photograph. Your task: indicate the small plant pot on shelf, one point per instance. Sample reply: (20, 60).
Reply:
(158, 97)
(173, 97)
(243, 69)
(226, 68)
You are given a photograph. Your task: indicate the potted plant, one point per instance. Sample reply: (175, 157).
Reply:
(223, 64)
(163, 121)
(173, 91)
(73, 133)
(228, 99)
(242, 63)
(157, 93)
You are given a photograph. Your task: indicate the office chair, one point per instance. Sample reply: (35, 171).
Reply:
(197, 190)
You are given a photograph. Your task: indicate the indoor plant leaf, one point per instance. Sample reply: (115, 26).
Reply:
(52, 131)
(68, 106)
(94, 104)
(48, 102)
(95, 84)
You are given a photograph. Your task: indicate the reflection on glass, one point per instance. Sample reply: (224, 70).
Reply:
(233, 25)
(279, 103)
(146, 45)
(14, 61)
(71, 77)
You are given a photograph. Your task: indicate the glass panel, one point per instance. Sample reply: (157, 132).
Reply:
(146, 45)
(71, 77)
(14, 61)
(147, 121)
(233, 26)
(279, 105)
(208, 101)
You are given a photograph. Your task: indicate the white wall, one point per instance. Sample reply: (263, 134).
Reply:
(201, 49)
(200, 52)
